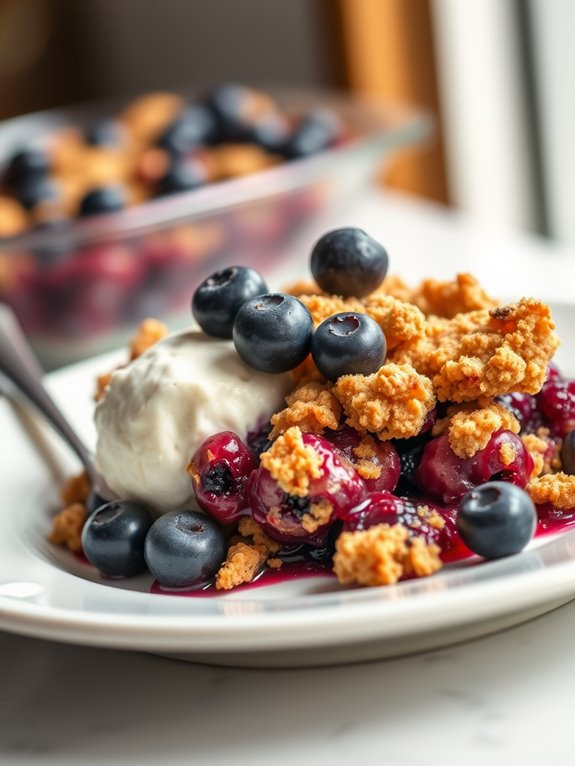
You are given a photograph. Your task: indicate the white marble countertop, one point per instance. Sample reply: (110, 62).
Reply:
(503, 699)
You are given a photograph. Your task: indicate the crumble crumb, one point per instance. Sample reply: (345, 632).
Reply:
(241, 565)
(400, 322)
(148, 334)
(291, 463)
(306, 372)
(382, 555)
(538, 448)
(275, 563)
(249, 528)
(431, 517)
(508, 353)
(323, 306)
(366, 453)
(392, 403)
(312, 407)
(318, 515)
(447, 299)
(75, 489)
(555, 488)
(507, 453)
(67, 527)
(471, 425)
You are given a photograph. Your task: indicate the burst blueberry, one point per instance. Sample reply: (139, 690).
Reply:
(273, 332)
(219, 298)
(348, 262)
(496, 519)
(349, 343)
(113, 538)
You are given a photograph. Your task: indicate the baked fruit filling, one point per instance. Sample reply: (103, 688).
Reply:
(421, 425)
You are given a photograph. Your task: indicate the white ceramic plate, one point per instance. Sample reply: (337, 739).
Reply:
(47, 593)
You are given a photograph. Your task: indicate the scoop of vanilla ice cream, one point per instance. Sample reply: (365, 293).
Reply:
(163, 405)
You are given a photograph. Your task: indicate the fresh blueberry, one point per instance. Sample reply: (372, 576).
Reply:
(25, 165)
(568, 453)
(270, 133)
(273, 332)
(230, 106)
(349, 343)
(316, 132)
(184, 549)
(194, 127)
(219, 298)
(36, 189)
(496, 519)
(105, 132)
(181, 176)
(348, 262)
(113, 538)
(105, 199)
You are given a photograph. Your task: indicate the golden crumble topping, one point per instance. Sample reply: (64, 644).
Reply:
(392, 403)
(510, 352)
(382, 555)
(242, 563)
(75, 489)
(507, 453)
(306, 372)
(312, 407)
(323, 306)
(148, 334)
(401, 322)
(471, 425)
(447, 299)
(318, 515)
(67, 527)
(249, 528)
(292, 463)
(395, 286)
(303, 287)
(538, 449)
(555, 488)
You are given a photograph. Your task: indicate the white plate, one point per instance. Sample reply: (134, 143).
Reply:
(47, 593)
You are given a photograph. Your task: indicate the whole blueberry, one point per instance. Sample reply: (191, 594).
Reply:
(181, 176)
(25, 165)
(113, 538)
(316, 132)
(273, 332)
(348, 262)
(229, 105)
(349, 343)
(568, 453)
(105, 132)
(105, 199)
(496, 519)
(218, 299)
(36, 189)
(184, 548)
(194, 127)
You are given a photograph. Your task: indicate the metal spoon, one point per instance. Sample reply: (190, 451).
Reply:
(19, 364)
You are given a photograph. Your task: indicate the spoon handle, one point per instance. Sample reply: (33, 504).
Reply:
(19, 365)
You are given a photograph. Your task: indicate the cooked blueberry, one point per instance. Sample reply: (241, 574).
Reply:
(348, 262)
(181, 176)
(316, 132)
(105, 132)
(349, 343)
(194, 127)
(184, 549)
(113, 538)
(25, 165)
(496, 519)
(568, 453)
(105, 199)
(273, 332)
(219, 298)
(36, 189)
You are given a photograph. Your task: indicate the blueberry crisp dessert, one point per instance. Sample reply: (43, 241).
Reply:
(352, 425)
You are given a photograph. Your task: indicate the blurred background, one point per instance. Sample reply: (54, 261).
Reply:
(495, 73)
